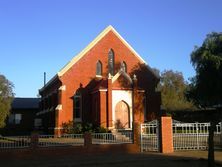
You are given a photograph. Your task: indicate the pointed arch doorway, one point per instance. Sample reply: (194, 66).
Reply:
(122, 115)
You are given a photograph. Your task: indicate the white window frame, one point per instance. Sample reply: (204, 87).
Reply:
(15, 118)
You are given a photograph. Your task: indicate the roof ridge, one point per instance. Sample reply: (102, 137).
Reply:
(76, 58)
(92, 44)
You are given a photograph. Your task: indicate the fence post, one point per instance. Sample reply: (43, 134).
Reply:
(158, 134)
(141, 137)
(34, 140)
(87, 139)
(220, 131)
(136, 133)
(165, 135)
(197, 132)
(136, 136)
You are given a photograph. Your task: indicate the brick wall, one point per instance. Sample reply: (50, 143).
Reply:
(81, 76)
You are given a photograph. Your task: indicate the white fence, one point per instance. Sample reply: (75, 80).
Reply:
(63, 140)
(110, 138)
(193, 136)
(66, 140)
(14, 142)
(149, 136)
(186, 136)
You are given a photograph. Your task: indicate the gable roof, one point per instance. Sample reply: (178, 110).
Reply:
(25, 103)
(123, 73)
(92, 44)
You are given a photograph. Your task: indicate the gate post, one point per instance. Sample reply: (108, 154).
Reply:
(87, 139)
(136, 136)
(220, 133)
(136, 133)
(34, 140)
(165, 135)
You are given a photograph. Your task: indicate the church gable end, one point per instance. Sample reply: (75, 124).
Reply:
(103, 72)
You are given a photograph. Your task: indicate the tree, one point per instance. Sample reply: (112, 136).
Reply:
(6, 97)
(206, 87)
(172, 86)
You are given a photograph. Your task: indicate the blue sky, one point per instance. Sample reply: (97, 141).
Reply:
(43, 35)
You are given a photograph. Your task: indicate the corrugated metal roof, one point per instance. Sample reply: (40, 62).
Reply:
(25, 103)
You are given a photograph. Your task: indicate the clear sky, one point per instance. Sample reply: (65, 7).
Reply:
(43, 35)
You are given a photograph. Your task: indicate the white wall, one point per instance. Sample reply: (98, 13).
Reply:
(119, 95)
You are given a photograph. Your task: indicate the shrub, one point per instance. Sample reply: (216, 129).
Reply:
(80, 128)
(101, 129)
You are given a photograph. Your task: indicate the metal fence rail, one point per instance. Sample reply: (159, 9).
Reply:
(8, 142)
(149, 136)
(190, 141)
(63, 140)
(110, 138)
(194, 136)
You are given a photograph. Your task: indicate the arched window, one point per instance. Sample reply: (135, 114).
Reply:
(99, 68)
(123, 66)
(77, 108)
(111, 62)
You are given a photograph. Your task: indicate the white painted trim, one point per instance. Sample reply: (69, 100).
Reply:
(115, 77)
(100, 90)
(110, 76)
(58, 128)
(124, 74)
(103, 90)
(92, 44)
(62, 88)
(59, 107)
(141, 91)
(122, 95)
(98, 76)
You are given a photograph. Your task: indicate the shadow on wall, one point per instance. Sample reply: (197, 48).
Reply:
(146, 80)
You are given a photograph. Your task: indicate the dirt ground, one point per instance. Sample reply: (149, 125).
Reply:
(67, 159)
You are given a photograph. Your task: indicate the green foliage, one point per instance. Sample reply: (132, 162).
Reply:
(172, 86)
(79, 128)
(206, 87)
(6, 97)
(101, 129)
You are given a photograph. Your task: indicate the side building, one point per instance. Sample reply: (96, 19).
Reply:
(21, 120)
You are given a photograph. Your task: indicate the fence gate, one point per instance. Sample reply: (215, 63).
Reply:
(149, 136)
(193, 136)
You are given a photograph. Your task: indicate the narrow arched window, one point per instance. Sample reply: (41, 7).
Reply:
(99, 68)
(77, 109)
(123, 66)
(111, 62)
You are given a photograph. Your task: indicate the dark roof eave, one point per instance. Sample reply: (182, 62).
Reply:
(53, 79)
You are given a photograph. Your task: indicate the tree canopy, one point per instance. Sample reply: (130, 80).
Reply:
(172, 86)
(6, 97)
(206, 87)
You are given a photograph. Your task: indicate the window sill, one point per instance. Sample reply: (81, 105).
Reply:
(77, 120)
(98, 76)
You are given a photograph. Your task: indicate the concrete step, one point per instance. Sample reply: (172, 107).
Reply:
(119, 135)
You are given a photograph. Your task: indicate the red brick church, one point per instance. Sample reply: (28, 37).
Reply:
(107, 84)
